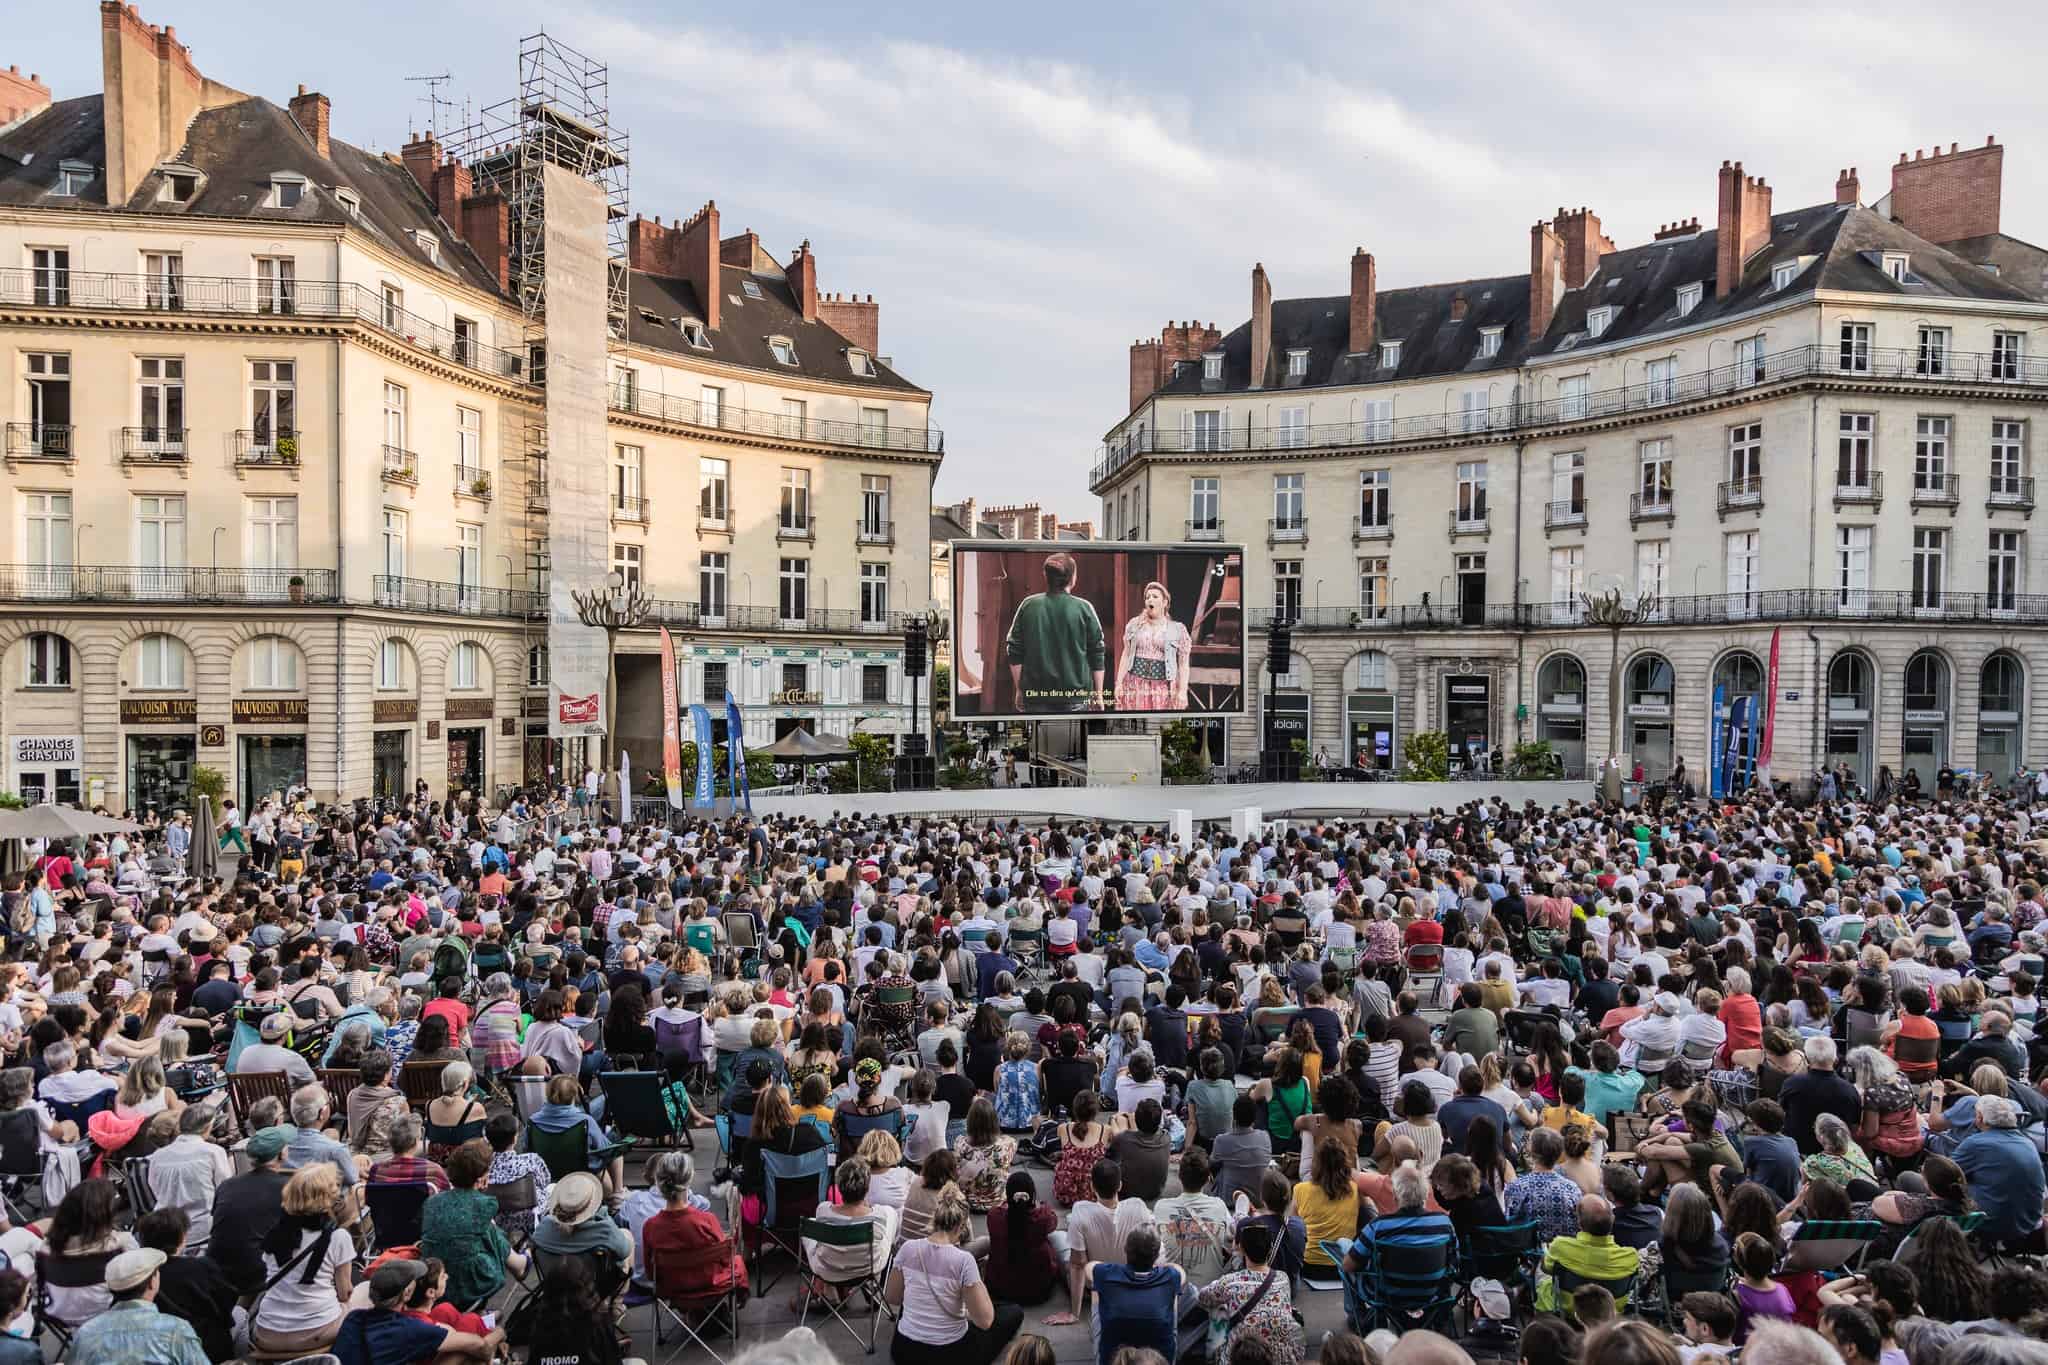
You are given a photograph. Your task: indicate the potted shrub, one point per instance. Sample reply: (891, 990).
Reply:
(480, 486)
(288, 449)
(298, 587)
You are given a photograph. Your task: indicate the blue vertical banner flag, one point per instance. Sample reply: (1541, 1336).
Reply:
(736, 753)
(1739, 723)
(700, 718)
(1717, 776)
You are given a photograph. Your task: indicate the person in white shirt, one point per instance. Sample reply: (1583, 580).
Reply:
(1702, 1027)
(1656, 1031)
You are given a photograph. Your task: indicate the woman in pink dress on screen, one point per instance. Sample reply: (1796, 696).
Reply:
(1152, 670)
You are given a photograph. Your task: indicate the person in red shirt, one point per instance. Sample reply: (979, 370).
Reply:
(1423, 931)
(428, 1305)
(1741, 1016)
(448, 1005)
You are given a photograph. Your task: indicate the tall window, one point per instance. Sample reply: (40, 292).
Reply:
(46, 525)
(273, 400)
(1660, 380)
(1654, 473)
(1746, 456)
(163, 279)
(273, 535)
(712, 569)
(2002, 562)
(794, 587)
(394, 307)
(1749, 361)
(1567, 579)
(1379, 419)
(537, 666)
(1287, 589)
(50, 275)
(874, 682)
(874, 427)
(159, 543)
(465, 341)
(794, 413)
(710, 406)
(162, 406)
(469, 562)
(49, 661)
(1375, 588)
(2008, 457)
(1930, 567)
(1930, 455)
(1934, 346)
(1473, 409)
(796, 500)
(1740, 548)
(467, 673)
(1205, 430)
(469, 445)
(2008, 354)
(1288, 511)
(1568, 482)
(1852, 567)
(1375, 498)
(1853, 355)
(276, 283)
(273, 663)
(1853, 450)
(394, 419)
(714, 482)
(1653, 568)
(626, 563)
(874, 505)
(874, 594)
(161, 661)
(1293, 433)
(714, 682)
(1472, 491)
(628, 467)
(391, 665)
(1571, 396)
(394, 542)
(49, 402)
(1205, 501)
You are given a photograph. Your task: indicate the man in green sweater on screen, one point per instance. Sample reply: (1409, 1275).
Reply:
(1055, 646)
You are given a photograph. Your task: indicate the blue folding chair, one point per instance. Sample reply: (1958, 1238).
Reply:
(858, 1126)
(1420, 1294)
(783, 1233)
(731, 1128)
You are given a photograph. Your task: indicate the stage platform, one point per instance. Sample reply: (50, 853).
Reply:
(1155, 805)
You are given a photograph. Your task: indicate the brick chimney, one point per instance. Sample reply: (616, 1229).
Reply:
(1153, 361)
(1689, 228)
(1579, 230)
(21, 97)
(1546, 278)
(803, 280)
(1262, 326)
(1848, 188)
(152, 94)
(1947, 196)
(1742, 226)
(310, 110)
(487, 227)
(858, 320)
(696, 252)
(422, 156)
(1365, 302)
(451, 187)
(743, 251)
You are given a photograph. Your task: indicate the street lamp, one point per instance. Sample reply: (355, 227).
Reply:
(615, 609)
(1609, 609)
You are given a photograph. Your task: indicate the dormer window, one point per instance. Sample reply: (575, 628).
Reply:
(1782, 275)
(350, 202)
(1297, 364)
(750, 289)
(73, 177)
(286, 190)
(861, 364)
(1895, 265)
(1212, 367)
(1180, 367)
(1689, 296)
(1390, 355)
(784, 350)
(180, 185)
(429, 245)
(1489, 342)
(1598, 320)
(694, 334)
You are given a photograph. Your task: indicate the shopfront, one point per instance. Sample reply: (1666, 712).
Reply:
(271, 746)
(1468, 719)
(1927, 718)
(394, 719)
(162, 745)
(2001, 695)
(469, 738)
(1561, 710)
(1286, 722)
(1369, 712)
(1650, 685)
(1851, 698)
(46, 768)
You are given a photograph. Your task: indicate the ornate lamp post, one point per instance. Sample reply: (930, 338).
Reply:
(615, 609)
(1609, 608)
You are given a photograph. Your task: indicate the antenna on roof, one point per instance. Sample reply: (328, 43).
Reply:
(432, 99)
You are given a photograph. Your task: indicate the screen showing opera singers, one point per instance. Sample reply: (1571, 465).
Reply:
(1075, 628)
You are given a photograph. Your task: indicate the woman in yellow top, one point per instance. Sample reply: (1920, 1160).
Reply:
(1329, 1208)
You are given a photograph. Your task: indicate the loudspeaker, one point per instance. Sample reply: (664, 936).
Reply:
(913, 649)
(915, 773)
(1279, 765)
(1279, 646)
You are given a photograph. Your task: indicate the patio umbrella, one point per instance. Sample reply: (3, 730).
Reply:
(205, 860)
(59, 822)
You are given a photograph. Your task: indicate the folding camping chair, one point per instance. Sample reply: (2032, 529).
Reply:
(733, 1127)
(1565, 1283)
(245, 1088)
(421, 1082)
(858, 1126)
(529, 1094)
(514, 1197)
(1510, 1253)
(1421, 1294)
(395, 1211)
(1028, 947)
(1831, 1244)
(781, 1228)
(678, 1305)
(1426, 960)
(65, 1272)
(569, 1150)
(860, 1232)
(634, 1107)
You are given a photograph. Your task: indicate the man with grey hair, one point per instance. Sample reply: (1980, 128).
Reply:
(310, 1108)
(1818, 1090)
(2004, 1170)
(405, 1165)
(1591, 1253)
(1787, 1343)
(185, 1173)
(63, 1085)
(1993, 1043)
(1411, 1223)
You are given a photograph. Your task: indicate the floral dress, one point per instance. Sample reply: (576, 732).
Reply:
(1072, 1174)
(984, 1170)
(1151, 662)
(1271, 1319)
(1016, 1095)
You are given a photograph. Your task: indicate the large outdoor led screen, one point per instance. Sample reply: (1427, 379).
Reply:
(1078, 628)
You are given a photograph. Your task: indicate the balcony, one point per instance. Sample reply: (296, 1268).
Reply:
(2009, 495)
(153, 445)
(472, 482)
(39, 441)
(1876, 366)
(1469, 521)
(100, 292)
(1739, 495)
(89, 583)
(262, 448)
(629, 509)
(1286, 530)
(1715, 609)
(867, 531)
(1655, 506)
(1864, 491)
(1210, 528)
(1937, 490)
(1564, 516)
(719, 522)
(1379, 527)
(456, 599)
(796, 530)
(922, 440)
(401, 466)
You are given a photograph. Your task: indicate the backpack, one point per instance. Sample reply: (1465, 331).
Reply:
(450, 960)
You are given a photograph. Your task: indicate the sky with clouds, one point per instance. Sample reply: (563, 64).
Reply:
(1027, 188)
